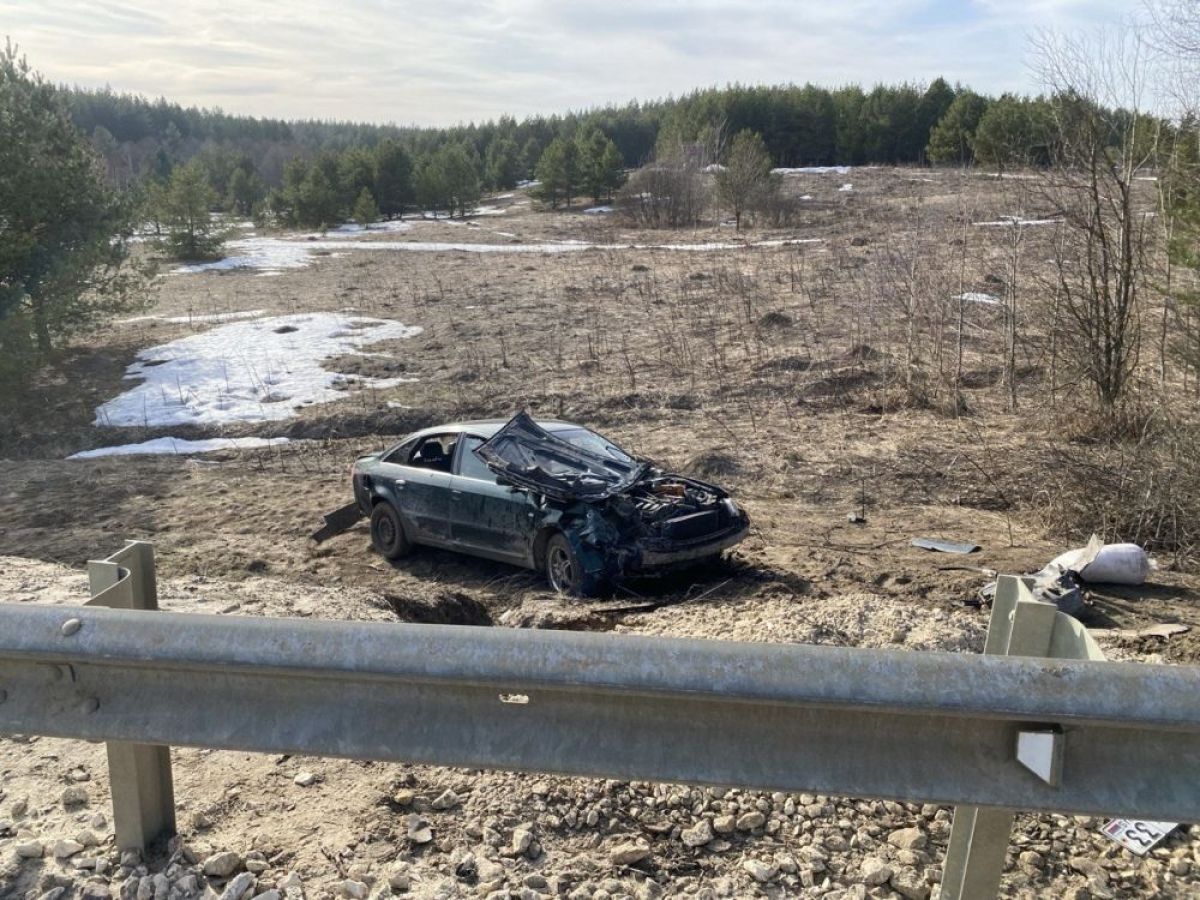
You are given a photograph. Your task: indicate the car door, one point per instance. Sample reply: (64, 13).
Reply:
(422, 491)
(487, 518)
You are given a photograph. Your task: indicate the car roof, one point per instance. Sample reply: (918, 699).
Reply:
(485, 428)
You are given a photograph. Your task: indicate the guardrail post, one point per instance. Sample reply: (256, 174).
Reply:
(143, 792)
(1019, 626)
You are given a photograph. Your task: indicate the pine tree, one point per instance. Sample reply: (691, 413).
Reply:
(558, 171)
(393, 189)
(245, 189)
(187, 208)
(952, 137)
(365, 210)
(64, 263)
(503, 164)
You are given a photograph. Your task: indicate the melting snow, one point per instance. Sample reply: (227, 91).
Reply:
(813, 170)
(1015, 220)
(258, 253)
(274, 254)
(247, 371)
(598, 210)
(976, 297)
(846, 188)
(198, 317)
(178, 446)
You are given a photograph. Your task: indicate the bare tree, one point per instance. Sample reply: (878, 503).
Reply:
(1102, 139)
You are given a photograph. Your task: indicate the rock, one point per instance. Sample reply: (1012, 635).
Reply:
(238, 886)
(268, 895)
(74, 796)
(53, 893)
(403, 797)
(98, 821)
(67, 849)
(522, 838)
(874, 870)
(29, 849)
(257, 866)
(1030, 859)
(908, 839)
(724, 824)
(447, 799)
(1077, 893)
(145, 888)
(419, 831)
(698, 835)
(628, 854)
(534, 880)
(1181, 867)
(221, 865)
(398, 879)
(87, 838)
(162, 886)
(355, 890)
(292, 886)
(305, 779)
(908, 883)
(751, 820)
(760, 871)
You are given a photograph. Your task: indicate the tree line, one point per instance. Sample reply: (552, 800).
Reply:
(316, 174)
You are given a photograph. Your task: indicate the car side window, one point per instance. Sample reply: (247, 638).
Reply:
(434, 452)
(400, 454)
(470, 465)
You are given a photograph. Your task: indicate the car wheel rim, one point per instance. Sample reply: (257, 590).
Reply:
(560, 569)
(387, 534)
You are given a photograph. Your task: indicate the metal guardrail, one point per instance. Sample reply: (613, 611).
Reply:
(1117, 738)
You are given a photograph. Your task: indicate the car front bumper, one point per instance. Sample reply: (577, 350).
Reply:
(665, 557)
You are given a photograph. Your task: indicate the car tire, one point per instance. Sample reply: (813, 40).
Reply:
(387, 532)
(564, 571)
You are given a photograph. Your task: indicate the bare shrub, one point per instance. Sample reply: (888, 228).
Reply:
(670, 192)
(1144, 489)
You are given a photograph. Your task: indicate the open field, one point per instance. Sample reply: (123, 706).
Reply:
(778, 363)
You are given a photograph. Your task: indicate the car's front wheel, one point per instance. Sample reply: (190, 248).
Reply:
(564, 570)
(387, 532)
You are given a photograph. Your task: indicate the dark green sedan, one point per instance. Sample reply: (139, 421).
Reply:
(547, 495)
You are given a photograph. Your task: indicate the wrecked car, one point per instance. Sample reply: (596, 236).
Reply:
(550, 496)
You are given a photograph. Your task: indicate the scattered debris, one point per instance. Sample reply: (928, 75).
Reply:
(1102, 563)
(943, 546)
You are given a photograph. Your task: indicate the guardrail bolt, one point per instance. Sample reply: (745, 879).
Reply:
(71, 626)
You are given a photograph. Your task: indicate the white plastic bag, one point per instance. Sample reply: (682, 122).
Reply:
(1107, 563)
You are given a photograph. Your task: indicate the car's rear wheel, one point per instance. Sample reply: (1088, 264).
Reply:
(563, 569)
(387, 532)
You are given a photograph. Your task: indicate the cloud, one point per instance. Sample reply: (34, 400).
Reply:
(455, 60)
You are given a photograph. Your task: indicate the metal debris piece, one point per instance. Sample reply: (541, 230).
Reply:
(341, 519)
(942, 546)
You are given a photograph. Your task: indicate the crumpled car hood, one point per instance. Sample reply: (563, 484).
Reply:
(525, 455)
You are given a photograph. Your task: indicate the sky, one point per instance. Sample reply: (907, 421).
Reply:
(441, 62)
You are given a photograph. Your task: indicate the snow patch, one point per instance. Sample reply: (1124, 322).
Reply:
(976, 297)
(197, 317)
(252, 371)
(179, 447)
(598, 210)
(1015, 220)
(812, 170)
(846, 188)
